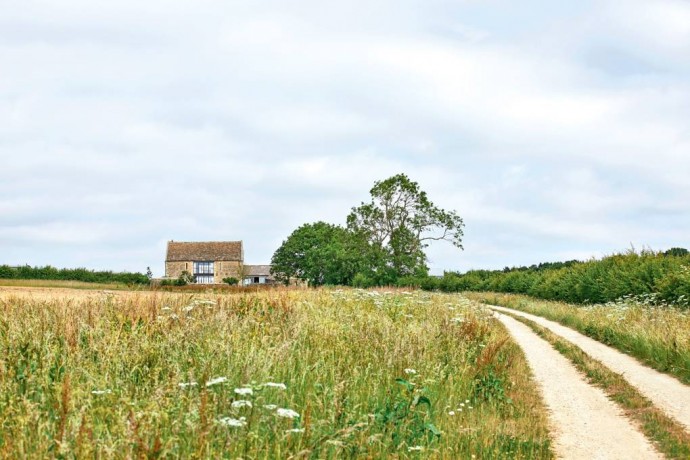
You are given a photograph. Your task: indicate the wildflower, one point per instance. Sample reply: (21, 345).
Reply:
(415, 449)
(244, 391)
(451, 413)
(187, 384)
(410, 371)
(270, 406)
(280, 386)
(216, 381)
(241, 403)
(467, 401)
(101, 392)
(287, 413)
(295, 430)
(233, 422)
(188, 308)
(174, 316)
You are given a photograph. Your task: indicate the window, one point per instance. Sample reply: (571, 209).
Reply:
(203, 268)
(256, 280)
(203, 272)
(204, 279)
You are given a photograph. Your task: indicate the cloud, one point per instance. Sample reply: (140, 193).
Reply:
(553, 129)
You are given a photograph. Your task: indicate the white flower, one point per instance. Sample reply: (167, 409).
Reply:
(174, 316)
(451, 413)
(216, 381)
(415, 449)
(101, 392)
(244, 391)
(188, 308)
(467, 401)
(270, 407)
(295, 430)
(232, 422)
(287, 413)
(241, 403)
(281, 386)
(410, 371)
(187, 384)
(458, 319)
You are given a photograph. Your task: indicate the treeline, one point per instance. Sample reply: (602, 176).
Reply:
(27, 272)
(664, 274)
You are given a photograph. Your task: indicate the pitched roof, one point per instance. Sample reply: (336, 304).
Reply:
(204, 251)
(257, 270)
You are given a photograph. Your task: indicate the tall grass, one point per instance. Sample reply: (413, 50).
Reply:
(657, 334)
(320, 374)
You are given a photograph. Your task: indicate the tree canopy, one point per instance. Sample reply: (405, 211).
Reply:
(384, 239)
(319, 253)
(399, 223)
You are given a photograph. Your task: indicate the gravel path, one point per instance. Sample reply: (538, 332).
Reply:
(585, 424)
(665, 392)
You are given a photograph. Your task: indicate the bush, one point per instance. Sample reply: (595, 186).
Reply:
(70, 274)
(666, 274)
(231, 281)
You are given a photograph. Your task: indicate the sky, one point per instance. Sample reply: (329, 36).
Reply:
(557, 130)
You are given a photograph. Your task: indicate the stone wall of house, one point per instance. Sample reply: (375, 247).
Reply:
(175, 269)
(225, 269)
(221, 269)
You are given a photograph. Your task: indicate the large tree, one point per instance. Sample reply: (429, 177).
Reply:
(319, 253)
(398, 224)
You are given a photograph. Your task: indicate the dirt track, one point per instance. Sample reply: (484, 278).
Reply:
(665, 392)
(585, 423)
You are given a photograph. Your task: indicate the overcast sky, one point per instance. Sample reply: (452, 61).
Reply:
(557, 130)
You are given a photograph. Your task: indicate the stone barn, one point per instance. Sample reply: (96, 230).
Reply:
(209, 262)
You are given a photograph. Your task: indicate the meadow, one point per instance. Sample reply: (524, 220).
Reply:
(645, 327)
(275, 374)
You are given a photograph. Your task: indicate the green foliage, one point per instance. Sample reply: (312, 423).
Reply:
(406, 416)
(384, 240)
(398, 224)
(320, 253)
(184, 279)
(232, 281)
(27, 272)
(595, 281)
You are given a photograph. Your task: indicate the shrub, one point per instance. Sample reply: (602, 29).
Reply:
(594, 281)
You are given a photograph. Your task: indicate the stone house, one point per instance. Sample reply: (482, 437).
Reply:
(209, 262)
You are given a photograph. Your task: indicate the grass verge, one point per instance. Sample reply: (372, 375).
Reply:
(669, 436)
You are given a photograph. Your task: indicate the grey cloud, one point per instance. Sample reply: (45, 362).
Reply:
(123, 125)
